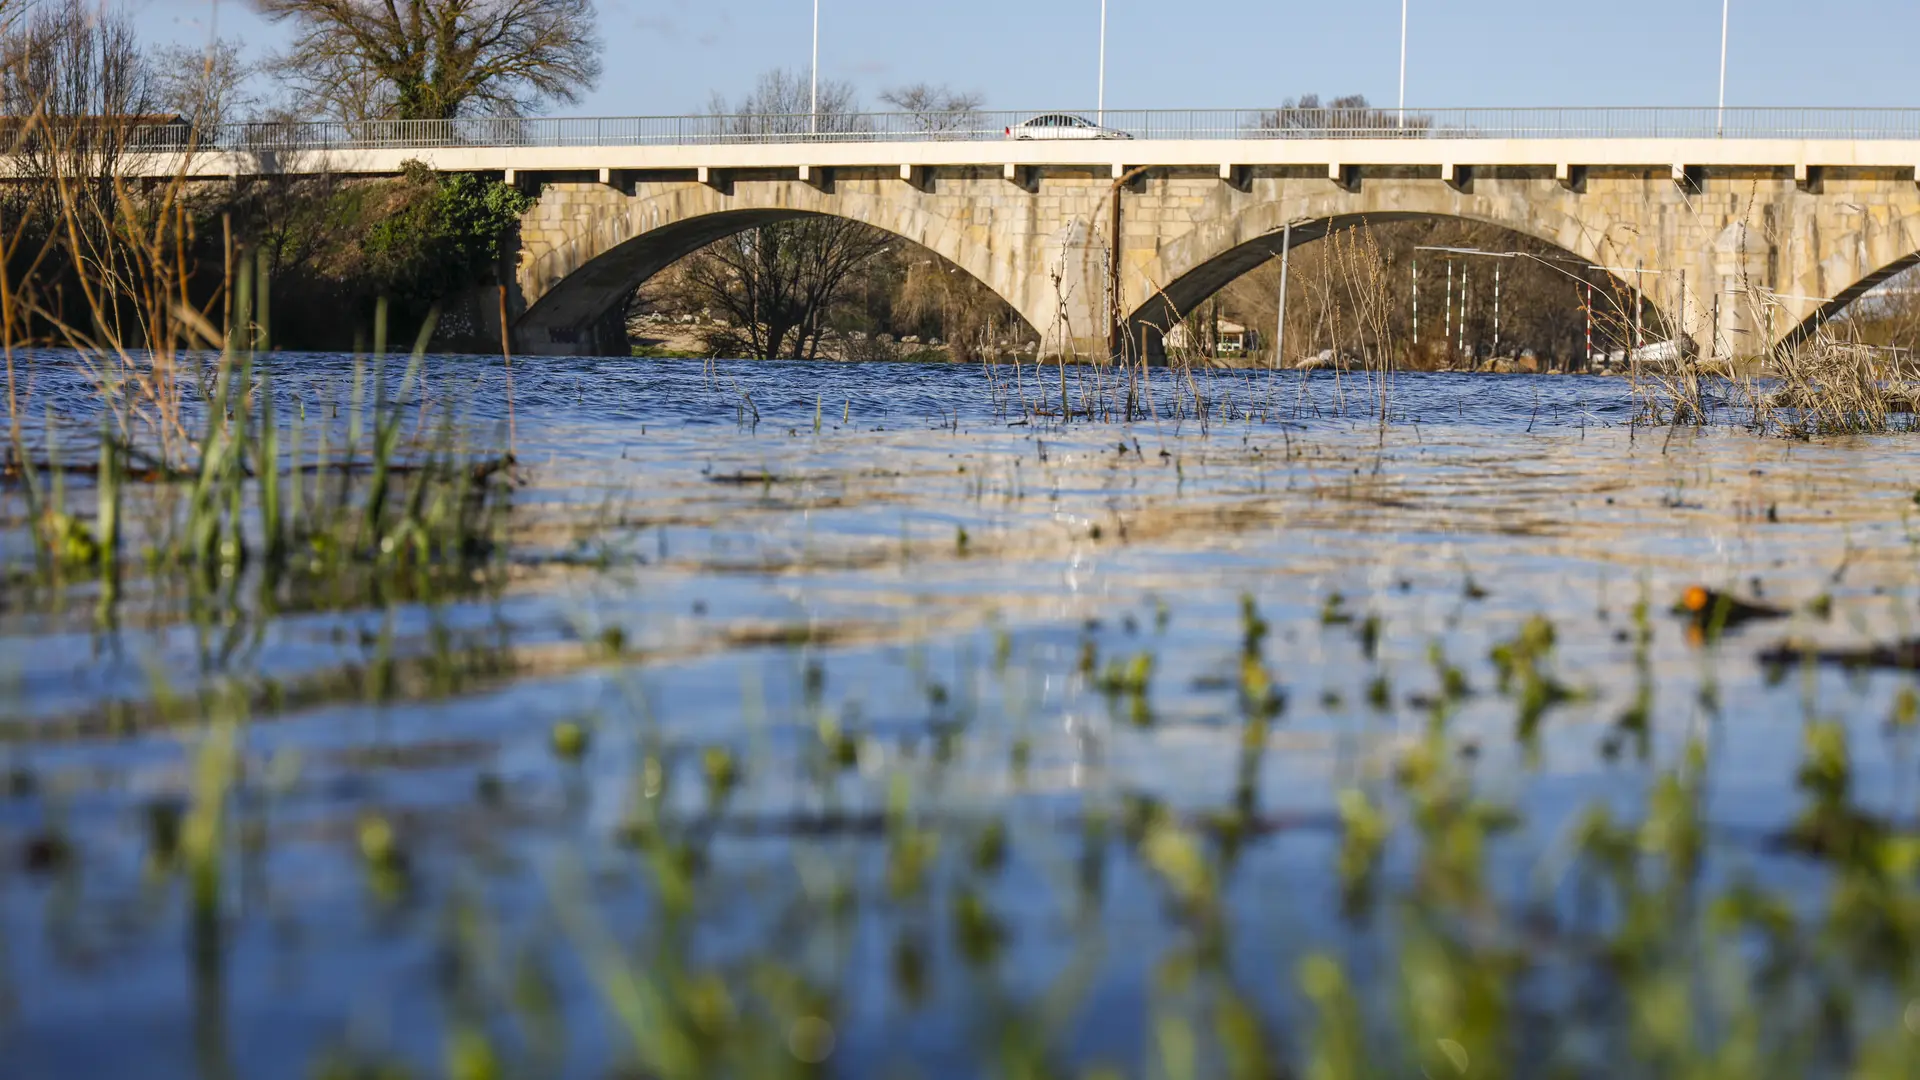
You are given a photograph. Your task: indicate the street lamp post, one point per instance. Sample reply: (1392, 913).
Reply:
(1403, 63)
(813, 107)
(1100, 101)
(1720, 118)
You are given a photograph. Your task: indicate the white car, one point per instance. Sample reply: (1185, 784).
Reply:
(1062, 126)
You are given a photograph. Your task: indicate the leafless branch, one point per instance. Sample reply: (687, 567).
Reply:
(437, 59)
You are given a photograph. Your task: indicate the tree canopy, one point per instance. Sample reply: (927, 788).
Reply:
(438, 59)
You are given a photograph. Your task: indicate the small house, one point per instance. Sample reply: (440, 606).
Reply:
(1228, 338)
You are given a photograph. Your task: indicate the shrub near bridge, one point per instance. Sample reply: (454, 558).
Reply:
(444, 237)
(335, 246)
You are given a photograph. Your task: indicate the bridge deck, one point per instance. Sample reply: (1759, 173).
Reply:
(1282, 137)
(1194, 153)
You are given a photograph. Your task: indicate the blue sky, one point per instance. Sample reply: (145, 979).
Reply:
(669, 56)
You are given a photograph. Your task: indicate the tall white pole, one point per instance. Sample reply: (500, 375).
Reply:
(1416, 300)
(1589, 310)
(814, 107)
(1280, 328)
(1465, 277)
(1720, 119)
(1403, 63)
(1101, 100)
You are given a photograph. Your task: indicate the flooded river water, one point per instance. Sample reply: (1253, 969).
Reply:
(821, 718)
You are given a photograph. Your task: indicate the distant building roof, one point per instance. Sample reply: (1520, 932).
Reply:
(131, 120)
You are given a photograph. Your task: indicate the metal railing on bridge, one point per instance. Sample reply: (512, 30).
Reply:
(982, 126)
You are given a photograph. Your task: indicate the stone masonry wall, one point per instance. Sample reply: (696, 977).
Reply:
(1041, 242)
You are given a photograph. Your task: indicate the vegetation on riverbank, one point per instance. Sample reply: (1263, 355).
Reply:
(335, 247)
(330, 247)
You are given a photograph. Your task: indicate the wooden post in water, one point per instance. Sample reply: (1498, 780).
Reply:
(1639, 303)
(1715, 354)
(506, 354)
(1686, 323)
(1639, 329)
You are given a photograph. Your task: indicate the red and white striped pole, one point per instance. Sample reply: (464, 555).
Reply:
(1589, 326)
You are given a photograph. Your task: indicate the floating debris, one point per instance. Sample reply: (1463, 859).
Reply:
(1713, 611)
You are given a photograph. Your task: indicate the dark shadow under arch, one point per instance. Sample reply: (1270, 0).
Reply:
(584, 297)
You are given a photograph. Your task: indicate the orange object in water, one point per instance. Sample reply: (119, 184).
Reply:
(1705, 606)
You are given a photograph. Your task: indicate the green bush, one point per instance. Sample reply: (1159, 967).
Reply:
(443, 237)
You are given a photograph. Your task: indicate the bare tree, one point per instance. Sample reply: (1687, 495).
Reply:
(438, 59)
(936, 108)
(1889, 316)
(338, 87)
(207, 87)
(781, 103)
(973, 318)
(75, 102)
(1353, 294)
(1307, 115)
(776, 285)
(77, 96)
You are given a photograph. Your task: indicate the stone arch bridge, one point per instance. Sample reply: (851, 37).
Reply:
(1807, 224)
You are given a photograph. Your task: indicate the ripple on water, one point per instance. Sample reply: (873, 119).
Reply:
(924, 579)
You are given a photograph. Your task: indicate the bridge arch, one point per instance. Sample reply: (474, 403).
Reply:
(1857, 263)
(1183, 274)
(596, 251)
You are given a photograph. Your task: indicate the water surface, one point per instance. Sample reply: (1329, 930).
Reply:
(893, 594)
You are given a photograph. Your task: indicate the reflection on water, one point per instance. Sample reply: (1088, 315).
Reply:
(900, 727)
